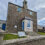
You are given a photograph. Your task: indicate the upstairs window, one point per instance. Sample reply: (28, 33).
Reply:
(30, 13)
(19, 9)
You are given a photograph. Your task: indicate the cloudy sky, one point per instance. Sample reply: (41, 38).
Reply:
(35, 5)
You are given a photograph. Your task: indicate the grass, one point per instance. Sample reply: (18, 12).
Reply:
(11, 36)
(41, 33)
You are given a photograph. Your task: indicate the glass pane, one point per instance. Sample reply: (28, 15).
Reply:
(28, 23)
(30, 13)
(19, 9)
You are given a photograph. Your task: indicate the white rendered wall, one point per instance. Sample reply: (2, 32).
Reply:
(25, 26)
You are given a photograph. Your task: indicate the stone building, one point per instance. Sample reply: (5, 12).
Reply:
(44, 28)
(21, 18)
(39, 27)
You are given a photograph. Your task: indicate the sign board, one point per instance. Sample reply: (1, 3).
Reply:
(21, 34)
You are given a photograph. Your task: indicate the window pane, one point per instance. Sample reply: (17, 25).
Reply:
(30, 13)
(19, 9)
(28, 23)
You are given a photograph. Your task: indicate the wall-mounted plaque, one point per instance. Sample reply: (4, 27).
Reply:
(15, 26)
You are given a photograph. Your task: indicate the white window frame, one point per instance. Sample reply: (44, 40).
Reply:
(31, 13)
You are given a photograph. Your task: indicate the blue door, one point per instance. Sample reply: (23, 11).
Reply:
(23, 26)
(3, 26)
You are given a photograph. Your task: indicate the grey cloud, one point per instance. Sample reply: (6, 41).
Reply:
(32, 4)
(41, 13)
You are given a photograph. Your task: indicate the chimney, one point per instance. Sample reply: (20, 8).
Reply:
(25, 4)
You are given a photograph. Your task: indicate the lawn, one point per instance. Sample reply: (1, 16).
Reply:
(11, 36)
(41, 33)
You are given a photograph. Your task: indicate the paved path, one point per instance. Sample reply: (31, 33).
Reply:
(24, 39)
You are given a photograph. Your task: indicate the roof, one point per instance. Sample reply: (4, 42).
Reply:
(27, 18)
(3, 21)
(15, 4)
(20, 6)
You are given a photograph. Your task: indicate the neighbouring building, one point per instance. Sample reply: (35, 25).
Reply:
(1, 23)
(41, 28)
(21, 18)
(44, 28)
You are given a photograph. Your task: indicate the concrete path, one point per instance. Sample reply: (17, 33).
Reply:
(24, 39)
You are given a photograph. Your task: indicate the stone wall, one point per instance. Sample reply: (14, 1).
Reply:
(36, 41)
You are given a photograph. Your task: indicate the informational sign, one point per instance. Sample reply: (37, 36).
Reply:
(21, 34)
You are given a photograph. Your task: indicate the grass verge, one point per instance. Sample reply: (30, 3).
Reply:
(41, 33)
(11, 36)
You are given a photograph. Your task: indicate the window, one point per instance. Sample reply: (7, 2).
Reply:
(28, 23)
(19, 9)
(30, 13)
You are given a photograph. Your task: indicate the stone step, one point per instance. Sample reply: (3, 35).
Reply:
(32, 33)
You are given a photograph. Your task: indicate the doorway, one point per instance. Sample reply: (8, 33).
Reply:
(23, 25)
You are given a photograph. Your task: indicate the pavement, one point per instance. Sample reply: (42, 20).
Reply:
(29, 38)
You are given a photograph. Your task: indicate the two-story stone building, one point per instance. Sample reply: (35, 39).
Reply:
(21, 18)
